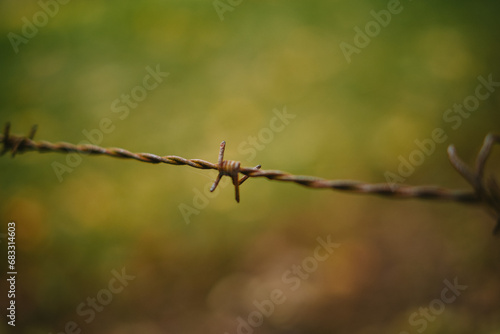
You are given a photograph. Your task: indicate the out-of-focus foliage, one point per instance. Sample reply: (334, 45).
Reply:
(227, 79)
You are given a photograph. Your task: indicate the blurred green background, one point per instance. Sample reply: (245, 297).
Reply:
(226, 79)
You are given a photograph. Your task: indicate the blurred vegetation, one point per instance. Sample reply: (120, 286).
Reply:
(225, 79)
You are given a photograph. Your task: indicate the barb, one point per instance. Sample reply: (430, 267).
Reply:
(230, 168)
(486, 193)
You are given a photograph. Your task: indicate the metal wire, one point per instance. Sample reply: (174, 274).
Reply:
(19, 144)
(485, 193)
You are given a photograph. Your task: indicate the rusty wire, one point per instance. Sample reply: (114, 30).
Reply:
(486, 193)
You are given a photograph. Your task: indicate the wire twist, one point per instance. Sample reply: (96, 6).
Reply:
(19, 144)
(484, 192)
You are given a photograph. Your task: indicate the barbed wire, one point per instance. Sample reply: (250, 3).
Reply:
(486, 193)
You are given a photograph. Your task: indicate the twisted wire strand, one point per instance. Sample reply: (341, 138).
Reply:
(17, 144)
(20, 144)
(486, 193)
(381, 189)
